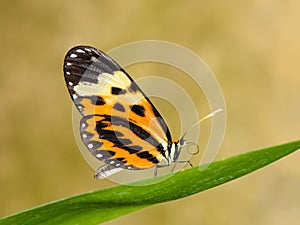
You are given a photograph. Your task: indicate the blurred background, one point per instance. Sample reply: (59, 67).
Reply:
(252, 47)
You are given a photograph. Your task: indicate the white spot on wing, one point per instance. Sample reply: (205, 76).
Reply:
(87, 49)
(73, 55)
(70, 83)
(69, 64)
(112, 162)
(68, 73)
(80, 51)
(84, 136)
(99, 155)
(90, 145)
(74, 96)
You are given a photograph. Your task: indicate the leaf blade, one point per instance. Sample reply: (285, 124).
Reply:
(103, 205)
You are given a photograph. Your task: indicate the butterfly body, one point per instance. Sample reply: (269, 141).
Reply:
(120, 126)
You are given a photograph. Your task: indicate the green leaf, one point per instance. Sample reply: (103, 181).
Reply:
(103, 205)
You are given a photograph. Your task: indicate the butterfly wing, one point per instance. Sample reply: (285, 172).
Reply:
(120, 125)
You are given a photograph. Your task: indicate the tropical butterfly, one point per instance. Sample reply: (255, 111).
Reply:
(120, 126)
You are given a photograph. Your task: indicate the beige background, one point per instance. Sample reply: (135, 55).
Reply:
(253, 48)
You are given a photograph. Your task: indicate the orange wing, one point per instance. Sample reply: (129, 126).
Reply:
(120, 125)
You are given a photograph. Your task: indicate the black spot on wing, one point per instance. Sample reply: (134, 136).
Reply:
(97, 100)
(119, 107)
(117, 91)
(121, 159)
(138, 110)
(133, 87)
(112, 153)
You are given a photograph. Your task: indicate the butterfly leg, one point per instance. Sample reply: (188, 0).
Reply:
(173, 168)
(181, 161)
(160, 166)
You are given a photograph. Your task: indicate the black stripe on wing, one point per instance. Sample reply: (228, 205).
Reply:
(134, 128)
(105, 130)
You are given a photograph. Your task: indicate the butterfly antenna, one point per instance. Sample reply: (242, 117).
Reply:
(212, 114)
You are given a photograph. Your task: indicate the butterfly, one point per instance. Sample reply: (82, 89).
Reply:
(120, 126)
